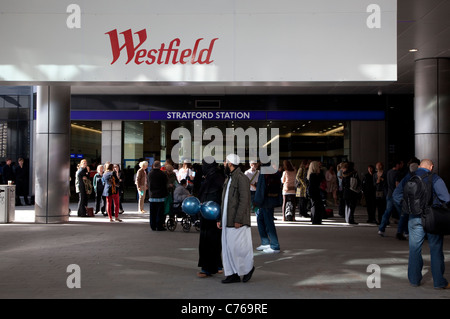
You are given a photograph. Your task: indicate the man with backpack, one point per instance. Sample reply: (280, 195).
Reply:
(415, 192)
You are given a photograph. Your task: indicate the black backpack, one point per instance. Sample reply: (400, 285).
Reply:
(417, 194)
(273, 185)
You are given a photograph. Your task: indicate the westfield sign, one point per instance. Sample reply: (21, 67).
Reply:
(168, 53)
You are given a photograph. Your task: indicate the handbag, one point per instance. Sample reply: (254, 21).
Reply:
(90, 211)
(436, 220)
(88, 186)
(355, 184)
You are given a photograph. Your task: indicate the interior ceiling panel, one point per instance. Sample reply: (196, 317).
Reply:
(422, 25)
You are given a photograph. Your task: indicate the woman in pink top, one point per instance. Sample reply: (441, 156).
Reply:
(332, 183)
(288, 180)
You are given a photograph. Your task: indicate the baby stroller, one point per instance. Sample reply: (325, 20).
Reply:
(186, 220)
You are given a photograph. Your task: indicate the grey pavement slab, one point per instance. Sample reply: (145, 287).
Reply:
(130, 261)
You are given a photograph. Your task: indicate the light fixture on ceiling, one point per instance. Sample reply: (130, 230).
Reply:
(413, 50)
(83, 127)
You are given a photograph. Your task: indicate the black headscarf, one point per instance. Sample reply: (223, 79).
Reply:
(211, 188)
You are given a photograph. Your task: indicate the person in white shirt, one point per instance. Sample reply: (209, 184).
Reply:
(252, 173)
(186, 172)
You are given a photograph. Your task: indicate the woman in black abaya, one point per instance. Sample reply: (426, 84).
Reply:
(210, 245)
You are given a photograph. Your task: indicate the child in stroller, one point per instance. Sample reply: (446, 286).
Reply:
(186, 220)
(179, 194)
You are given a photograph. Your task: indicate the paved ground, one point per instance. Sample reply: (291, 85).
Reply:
(128, 260)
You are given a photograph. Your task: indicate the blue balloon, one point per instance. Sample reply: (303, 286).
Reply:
(210, 210)
(191, 205)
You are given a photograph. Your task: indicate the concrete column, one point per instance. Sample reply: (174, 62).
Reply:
(52, 160)
(112, 142)
(432, 113)
(368, 144)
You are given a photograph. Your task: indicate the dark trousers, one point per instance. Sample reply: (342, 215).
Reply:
(341, 204)
(371, 207)
(317, 211)
(303, 206)
(82, 203)
(121, 199)
(100, 200)
(380, 203)
(157, 215)
(350, 206)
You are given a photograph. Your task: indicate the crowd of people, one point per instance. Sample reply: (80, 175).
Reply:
(17, 174)
(225, 244)
(106, 186)
(307, 190)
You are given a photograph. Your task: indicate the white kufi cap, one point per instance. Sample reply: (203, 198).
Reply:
(233, 159)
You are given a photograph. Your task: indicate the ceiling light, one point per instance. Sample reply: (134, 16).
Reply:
(73, 125)
(413, 50)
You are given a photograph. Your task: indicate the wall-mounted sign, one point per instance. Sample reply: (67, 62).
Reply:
(208, 115)
(320, 115)
(234, 41)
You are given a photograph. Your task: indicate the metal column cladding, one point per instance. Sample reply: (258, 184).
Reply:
(432, 111)
(52, 160)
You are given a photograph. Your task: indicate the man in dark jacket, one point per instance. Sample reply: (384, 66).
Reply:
(237, 249)
(350, 196)
(21, 182)
(8, 172)
(158, 192)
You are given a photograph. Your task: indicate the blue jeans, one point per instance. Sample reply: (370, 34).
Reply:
(403, 223)
(266, 227)
(390, 204)
(415, 263)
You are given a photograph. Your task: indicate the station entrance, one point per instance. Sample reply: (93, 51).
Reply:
(325, 141)
(298, 140)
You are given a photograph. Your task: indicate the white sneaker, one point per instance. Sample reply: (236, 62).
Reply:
(262, 247)
(271, 251)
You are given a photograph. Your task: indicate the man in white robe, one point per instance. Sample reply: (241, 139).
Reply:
(237, 247)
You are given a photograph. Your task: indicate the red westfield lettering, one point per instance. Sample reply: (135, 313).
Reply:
(166, 54)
